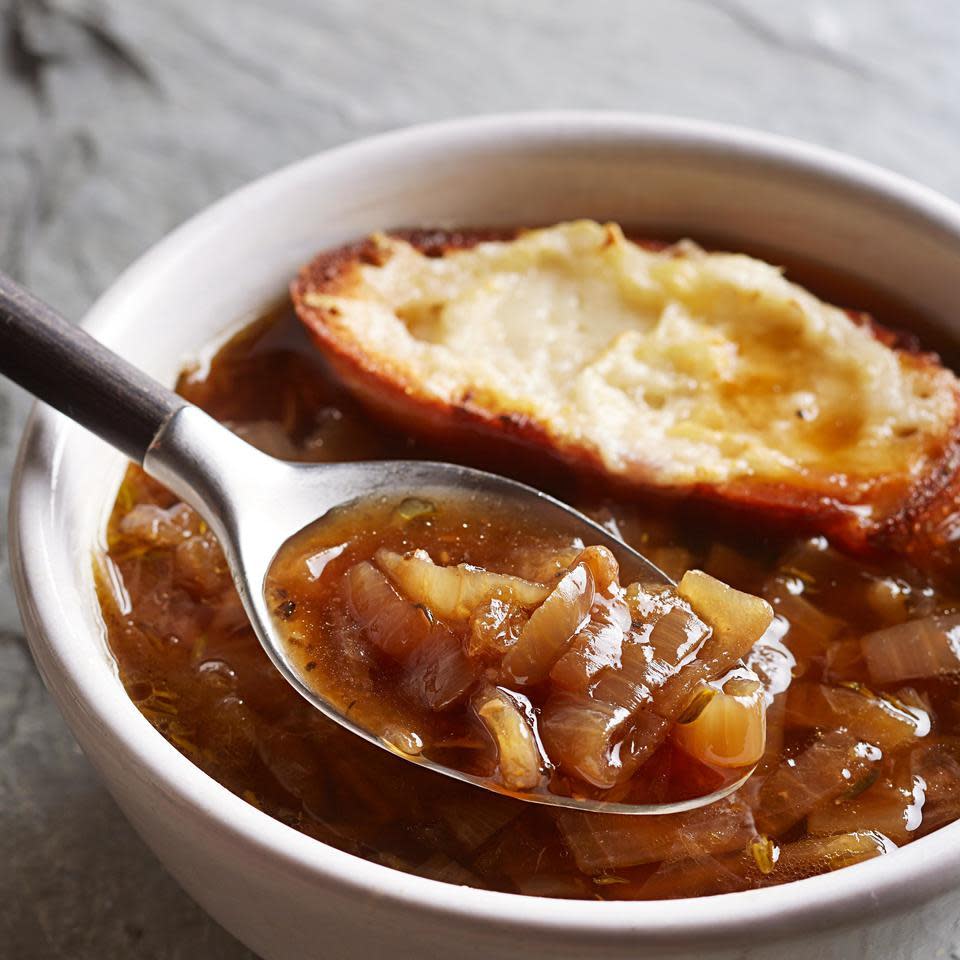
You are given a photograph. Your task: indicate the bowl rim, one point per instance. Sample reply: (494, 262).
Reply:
(924, 869)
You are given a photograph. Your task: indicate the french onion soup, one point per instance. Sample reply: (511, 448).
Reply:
(518, 656)
(789, 463)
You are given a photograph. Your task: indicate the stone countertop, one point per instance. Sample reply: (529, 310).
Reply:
(119, 120)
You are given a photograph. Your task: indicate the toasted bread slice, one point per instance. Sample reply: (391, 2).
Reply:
(666, 368)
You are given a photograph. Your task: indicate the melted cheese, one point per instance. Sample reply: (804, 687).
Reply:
(682, 365)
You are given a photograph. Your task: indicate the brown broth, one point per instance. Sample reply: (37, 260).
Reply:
(416, 670)
(189, 660)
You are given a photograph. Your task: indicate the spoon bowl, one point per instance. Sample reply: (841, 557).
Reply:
(255, 503)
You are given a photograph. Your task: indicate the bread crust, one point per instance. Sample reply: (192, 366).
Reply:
(915, 517)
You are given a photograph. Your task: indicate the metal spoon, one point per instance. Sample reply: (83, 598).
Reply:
(253, 502)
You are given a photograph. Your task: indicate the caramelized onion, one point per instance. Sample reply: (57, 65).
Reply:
(585, 738)
(834, 765)
(453, 593)
(811, 630)
(547, 566)
(494, 627)
(603, 841)
(764, 863)
(879, 720)
(550, 628)
(775, 722)
(674, 561)
(437, 673)
(889, 598)
(677, 634)
(937, 763)
(730, 731)
(595, 647)
(447, 870)
(650, 659)
(737, 619)
(820, 854)
(695, 876)
(919, 648)
(201, 566)
(603, 565)
(630, 684)
(731, 565)
(520, 763)
(391, 623)
(891, 808)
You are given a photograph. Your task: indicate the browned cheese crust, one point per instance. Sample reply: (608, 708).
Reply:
(916, 517)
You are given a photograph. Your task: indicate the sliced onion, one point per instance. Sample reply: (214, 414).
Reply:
(603, 841)
(559, 885)
(843, 661)
(392, 624)
(200, 565)
(763, 864)
(603, 565)
(296, 764)
(730, 731)
(648, 603)
(821, 567)
(738, 619)
(547, 566)
(908, 651)
(630, 685)
(519, 760)
(650, 660)
(698, 876)
(526, 851)
(888, 807)
(836, 764)
(878, 720)
(680, 682)
(438, 673)
(889, 598)
(676, 694)
(551, 627)
(677, 634)
(585, 738)
(937, 763)
(814, 855)
(811, 630)
(594, 648)
(453, 593)
(495, 627)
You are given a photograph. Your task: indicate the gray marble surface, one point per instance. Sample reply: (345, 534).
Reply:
(120, 119)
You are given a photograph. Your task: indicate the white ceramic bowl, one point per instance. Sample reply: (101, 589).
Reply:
(288, 896)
